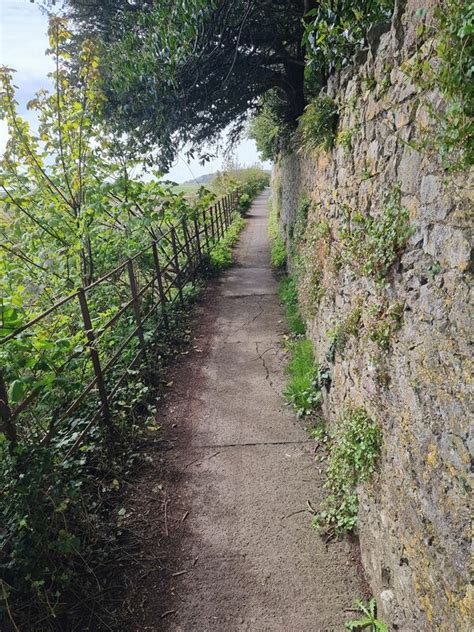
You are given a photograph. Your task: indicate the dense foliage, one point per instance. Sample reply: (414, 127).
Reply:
(336, 29)
(180, 73)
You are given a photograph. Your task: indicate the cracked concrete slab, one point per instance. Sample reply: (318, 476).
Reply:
(245, 557)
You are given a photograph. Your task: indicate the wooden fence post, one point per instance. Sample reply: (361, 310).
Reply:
(159, 279)
(136, 305)
(176, 265)
(91, 340)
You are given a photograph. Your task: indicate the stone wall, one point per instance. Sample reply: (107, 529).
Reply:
(414, 518)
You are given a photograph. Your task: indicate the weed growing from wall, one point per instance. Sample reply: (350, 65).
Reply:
(344, 140)
(384, 322)
(297, 229)
(374, 244)
(354, 450)
(318, 123)
(348, 327)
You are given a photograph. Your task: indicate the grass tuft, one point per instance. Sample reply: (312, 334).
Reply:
(301, 391)
(289, 296)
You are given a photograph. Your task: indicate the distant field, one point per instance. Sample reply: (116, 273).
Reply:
(186, 187)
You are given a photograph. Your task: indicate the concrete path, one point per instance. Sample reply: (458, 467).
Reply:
(243, 467)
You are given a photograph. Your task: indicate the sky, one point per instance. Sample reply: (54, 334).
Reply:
(23, 41)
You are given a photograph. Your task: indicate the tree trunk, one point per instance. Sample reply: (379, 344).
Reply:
(7, 425)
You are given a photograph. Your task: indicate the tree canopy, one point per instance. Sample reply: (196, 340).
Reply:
(182, 72)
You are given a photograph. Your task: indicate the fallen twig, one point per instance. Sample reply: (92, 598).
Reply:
(293, 513)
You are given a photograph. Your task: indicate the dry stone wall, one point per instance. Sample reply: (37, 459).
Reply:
(405, 356)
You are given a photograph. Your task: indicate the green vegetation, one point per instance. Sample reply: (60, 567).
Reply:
(302, 392)
(452, 46)
(353, 454)
(183, 90)
(384, 322)
(344, 139)
(221, 255)
(297, 229)
(369, 619)
(346, 328)
(268, 127)
(61, 521)
(371, 244)
(318, 124)
(70, 213)
(289, 296)
(278, 253)
(248, 180)
(188, 188)
(334, 33)
(370, 82)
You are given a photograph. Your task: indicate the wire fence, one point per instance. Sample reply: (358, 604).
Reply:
(75, 357)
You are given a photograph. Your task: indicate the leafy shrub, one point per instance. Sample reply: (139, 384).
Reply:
(244, 203)
(372, 244)
(268, 127)
(289, 295)
(318, 124)
(353, 454)
(301, 391)
(249, 180)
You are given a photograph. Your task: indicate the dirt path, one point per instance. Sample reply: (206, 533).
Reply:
(241, 470)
